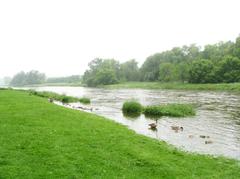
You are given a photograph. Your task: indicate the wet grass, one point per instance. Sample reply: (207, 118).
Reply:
(173, 110)
(58, 97)
(85, 100)
(42, 140)
(132, 108)
(177, 86)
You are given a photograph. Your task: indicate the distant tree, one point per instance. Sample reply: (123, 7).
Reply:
(150, 68)
(19, 79)
(67, 79)
(182, 73)
(167, 72)
(102, 72)
(105, 77)
(183, 64)
(236, 51)
(35, 77)
(229, 70)
(201, 71)
(29, 78)
(129, 71)
(7, 80)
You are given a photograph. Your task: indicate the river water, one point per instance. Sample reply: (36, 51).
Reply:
(218, 116)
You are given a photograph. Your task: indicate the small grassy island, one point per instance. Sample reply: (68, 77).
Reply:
(42, 140)
(133, 108)
(174, 110)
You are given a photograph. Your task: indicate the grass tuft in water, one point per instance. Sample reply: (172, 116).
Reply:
(85, 100)
(173, 110)
(132, 108)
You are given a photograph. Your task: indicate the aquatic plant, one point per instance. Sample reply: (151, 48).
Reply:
(132, 108)
(174, 110)
(85, 100)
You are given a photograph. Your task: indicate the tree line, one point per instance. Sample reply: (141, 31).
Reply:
(35, 77)
(217, 63)
(29, 78)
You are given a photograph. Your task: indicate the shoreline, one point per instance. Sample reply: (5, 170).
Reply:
(56, 139)
(232, 87)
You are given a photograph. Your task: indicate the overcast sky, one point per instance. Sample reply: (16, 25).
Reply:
(60, 37)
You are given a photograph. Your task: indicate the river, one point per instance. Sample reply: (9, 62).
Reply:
(218, 116)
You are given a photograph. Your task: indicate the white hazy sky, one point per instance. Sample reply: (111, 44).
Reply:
(59, 37)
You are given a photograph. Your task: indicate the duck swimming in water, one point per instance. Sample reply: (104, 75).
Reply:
(153, 126)
(204, 136)
(208, 142)
(177, 128)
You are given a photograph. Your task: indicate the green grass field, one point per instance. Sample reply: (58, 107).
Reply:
(39, 139)
(177, 86)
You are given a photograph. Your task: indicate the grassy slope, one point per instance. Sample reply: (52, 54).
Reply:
(179, 86)
(41, 140)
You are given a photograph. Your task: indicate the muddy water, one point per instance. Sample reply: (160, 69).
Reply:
(218, 116)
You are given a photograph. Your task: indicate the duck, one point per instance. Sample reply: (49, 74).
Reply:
(153, 126)
(177, 128)
(208, 142)
(204, 136)
(191, 136)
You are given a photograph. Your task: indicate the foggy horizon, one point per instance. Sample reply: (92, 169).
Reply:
(59, 38)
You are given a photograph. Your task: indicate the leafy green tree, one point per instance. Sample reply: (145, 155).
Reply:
(29, 78)
(35, 77)
(150, 68)
(167, 72)
(236, 51)
(102, 72)
(19, 79)
(201, 71)
(105, 77)
(229, 70)
(129, 71)
(183, 64)
(67, 79)
(182, 72)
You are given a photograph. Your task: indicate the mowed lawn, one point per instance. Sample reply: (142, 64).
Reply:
(41, 140)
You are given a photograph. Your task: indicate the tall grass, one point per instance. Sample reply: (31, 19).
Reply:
(174, 110)
(58, 97)
(85, 100)
(177, 86)
(132, 108)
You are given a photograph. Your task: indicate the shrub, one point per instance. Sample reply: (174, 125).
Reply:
(65, 99)
(59, 97)
(84, 100)
(174, 110)
(132, 107)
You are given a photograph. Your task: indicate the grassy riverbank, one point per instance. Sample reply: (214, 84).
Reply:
(42, 140)
(54, 84)
(177, 86)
